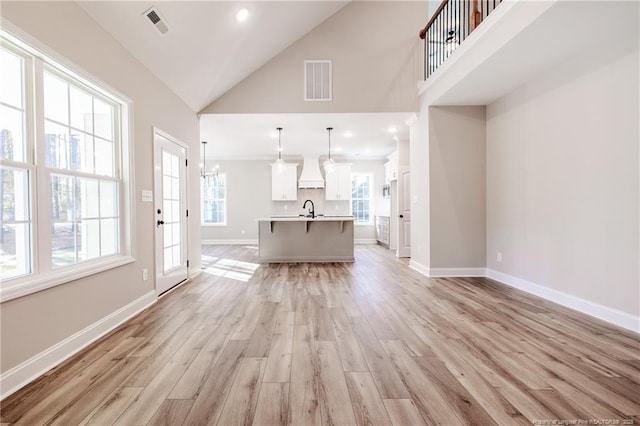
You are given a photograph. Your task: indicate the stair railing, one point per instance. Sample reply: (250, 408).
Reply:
(449, 26)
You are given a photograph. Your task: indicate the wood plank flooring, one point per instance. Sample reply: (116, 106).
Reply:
(368, 343)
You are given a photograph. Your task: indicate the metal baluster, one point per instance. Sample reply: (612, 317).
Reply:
(424, 64)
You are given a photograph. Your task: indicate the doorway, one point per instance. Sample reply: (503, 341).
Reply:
(170, 211)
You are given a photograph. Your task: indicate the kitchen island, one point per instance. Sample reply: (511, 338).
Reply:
(305, 239)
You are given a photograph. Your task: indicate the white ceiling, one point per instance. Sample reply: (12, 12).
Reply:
(207, 51)
(254, 136)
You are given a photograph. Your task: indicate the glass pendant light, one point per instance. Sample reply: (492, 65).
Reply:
(329, 163)
(280, 164)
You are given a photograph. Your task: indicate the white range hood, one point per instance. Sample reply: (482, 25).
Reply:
(311, 176)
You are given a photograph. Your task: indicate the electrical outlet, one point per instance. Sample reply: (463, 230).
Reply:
(145, 274)
(286, 207)
(243, 232)
(499, 256)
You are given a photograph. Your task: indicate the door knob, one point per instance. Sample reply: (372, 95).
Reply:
(160, 222)
(401, 216)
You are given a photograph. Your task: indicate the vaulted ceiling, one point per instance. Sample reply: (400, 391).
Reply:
(206, 50)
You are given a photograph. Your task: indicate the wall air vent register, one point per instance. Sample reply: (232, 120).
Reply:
(317, 80)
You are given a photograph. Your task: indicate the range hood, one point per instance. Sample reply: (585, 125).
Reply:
(311, 176)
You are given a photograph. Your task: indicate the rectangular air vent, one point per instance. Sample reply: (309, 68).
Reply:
(157, 20)
(317, 80)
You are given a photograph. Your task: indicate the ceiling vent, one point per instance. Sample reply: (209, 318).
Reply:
(153, 15)
(317, 80)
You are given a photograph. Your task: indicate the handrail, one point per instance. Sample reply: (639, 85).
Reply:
(423, 32)
(449, 26)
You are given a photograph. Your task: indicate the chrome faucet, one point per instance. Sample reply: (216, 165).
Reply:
(313, 209)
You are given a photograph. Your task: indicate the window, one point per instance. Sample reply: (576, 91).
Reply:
(361, 198)
(15, 173)
(69, 133)
(214, 199)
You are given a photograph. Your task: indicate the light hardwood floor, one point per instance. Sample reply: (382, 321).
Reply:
(371, 342)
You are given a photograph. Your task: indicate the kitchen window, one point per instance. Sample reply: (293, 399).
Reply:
(214, 199)
(63, 146)
(361, 184)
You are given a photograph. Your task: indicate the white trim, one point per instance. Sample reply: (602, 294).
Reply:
(457, 272)
(605, 313)
(412, 119)
(419, 267)
(223, 242)
(56, 277)
(365, 241)
(195, 272)
(20, 375)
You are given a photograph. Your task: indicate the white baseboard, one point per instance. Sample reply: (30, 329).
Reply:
(365, 241)
(457, 272)
(605, 313)
(22, 374)
(419, 267)
(195, 272)
(230, 242)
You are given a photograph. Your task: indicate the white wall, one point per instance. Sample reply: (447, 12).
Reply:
(419, 166)
(34, 323)
(377, 59)
(457, 171)
(249, 198)
(562, 180)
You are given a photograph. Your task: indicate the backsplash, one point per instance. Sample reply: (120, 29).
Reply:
(321, 205)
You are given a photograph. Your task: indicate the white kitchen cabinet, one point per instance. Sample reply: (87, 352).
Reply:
(387, 172)
(393, 165)
(382, 230)
(338, 183)
(284, 185)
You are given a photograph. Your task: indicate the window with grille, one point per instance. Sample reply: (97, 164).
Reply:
(361, 198)
(214, 199)
(62, 141)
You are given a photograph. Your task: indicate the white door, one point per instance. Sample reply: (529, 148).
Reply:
(170, 211)
(404, 212)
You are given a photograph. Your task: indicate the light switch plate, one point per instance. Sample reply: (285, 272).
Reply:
(147, 196)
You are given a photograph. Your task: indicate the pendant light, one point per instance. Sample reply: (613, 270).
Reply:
(203, 165)
(329, 163)
(280, 164)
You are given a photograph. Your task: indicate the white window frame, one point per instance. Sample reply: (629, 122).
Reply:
(370, 199)
(226, 203)
(38, 58)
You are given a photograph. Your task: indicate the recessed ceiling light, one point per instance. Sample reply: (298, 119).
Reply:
(393, 129)
(338, 149)
(348, 134)
(273, 135)
(242, 15)
(368, 150)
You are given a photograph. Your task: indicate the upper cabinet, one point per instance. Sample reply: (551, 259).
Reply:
(284, 184)
(338, 183)
(391, 171)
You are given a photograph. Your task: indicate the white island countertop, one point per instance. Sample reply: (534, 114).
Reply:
(305, 218)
